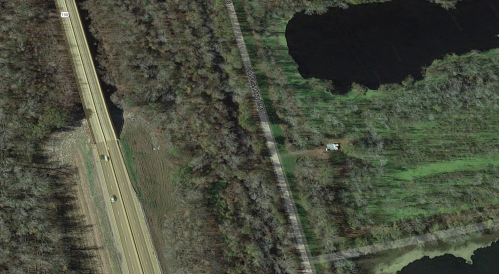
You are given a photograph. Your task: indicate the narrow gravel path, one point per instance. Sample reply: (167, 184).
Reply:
(415, 240)
(282, 181)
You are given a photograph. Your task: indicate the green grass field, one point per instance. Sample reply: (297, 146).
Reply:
(129, 160)
(417, 149)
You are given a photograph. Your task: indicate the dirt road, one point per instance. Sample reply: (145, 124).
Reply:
(282, 181)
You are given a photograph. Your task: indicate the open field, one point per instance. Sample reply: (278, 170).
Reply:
(422, 156)
(150, 174)
(178, 225)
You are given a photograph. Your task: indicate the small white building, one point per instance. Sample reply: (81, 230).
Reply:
(334, 146)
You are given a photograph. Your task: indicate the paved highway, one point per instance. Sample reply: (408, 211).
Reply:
(126, 214)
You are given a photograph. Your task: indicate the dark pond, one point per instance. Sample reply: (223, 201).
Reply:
(378, 43)
(485, 261)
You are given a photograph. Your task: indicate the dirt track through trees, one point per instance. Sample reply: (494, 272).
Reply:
(282, 181)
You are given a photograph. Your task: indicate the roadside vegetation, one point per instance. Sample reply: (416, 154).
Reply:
(38, 233)
(417, 156)
(211, 200)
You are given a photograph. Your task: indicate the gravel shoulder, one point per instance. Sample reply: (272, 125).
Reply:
(72, 150)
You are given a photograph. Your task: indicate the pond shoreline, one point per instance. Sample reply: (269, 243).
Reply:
(391, 261)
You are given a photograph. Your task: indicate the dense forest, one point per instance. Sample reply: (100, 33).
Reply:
(37, 97)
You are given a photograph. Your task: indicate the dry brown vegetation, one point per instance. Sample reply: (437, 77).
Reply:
(214, 206)
(38, 231)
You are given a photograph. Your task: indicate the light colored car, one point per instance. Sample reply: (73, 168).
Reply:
(105, 158)
(333, 146)
(113, 199)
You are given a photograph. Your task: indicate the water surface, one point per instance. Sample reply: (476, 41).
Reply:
(484, 261)
(378, 43)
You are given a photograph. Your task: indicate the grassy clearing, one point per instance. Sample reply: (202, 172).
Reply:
(429, 169)
(129, 160)
(417, 149)
(149, 169)
(154, 181)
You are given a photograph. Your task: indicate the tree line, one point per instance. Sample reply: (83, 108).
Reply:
(37, 97)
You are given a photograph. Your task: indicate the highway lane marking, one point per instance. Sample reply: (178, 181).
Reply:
(86, 68)
(81, 63)
(80, 69)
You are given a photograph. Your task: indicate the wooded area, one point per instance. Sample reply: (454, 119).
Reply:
(37, 97)
(179, 62)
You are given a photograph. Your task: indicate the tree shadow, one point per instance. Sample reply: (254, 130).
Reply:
(107, 89)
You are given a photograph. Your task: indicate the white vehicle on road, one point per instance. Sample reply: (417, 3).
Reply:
(105, 158)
